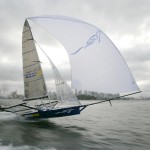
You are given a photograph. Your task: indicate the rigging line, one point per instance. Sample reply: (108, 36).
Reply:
(14, 105)
(42, 50)
(21, 110)
(36, 98)
(108, 100)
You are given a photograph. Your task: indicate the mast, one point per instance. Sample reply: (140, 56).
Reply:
(34, 83)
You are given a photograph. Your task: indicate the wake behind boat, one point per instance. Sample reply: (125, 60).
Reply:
(96, 65)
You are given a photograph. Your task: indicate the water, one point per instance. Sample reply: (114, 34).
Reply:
(124, 126)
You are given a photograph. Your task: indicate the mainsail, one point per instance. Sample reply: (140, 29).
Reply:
(34, 84)
(96, 63)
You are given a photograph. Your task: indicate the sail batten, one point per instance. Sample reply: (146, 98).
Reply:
(32, 80)
(30, 65)
(29, 51)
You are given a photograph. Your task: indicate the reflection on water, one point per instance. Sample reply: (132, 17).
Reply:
(125, 126)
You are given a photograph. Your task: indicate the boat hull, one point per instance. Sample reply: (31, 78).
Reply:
(61, 112)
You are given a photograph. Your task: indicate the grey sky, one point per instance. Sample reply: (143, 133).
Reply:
(126, 22)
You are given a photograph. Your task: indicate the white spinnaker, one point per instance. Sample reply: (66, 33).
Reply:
(34, 84)
(96, 63)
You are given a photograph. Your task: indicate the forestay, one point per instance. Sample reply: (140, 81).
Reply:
(95, 61)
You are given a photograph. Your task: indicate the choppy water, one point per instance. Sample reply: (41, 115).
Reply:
(125, 126)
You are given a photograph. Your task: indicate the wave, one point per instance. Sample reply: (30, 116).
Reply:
(6, 116)
(24, 147)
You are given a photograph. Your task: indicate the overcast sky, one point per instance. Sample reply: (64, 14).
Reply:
(126, 22)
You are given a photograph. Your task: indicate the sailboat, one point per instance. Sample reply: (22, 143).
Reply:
(96, 65)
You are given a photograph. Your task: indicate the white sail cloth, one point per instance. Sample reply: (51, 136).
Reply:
(34, 84)
(96, 63)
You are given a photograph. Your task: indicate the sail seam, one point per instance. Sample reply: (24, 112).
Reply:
(29, 65)
(29, 51)
(28, 40)
(33, 80)
(26, 31)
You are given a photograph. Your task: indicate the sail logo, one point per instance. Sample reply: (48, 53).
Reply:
(90, 41)
(33, 74)
(65, 111)
(39, 73)
(29, 75)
